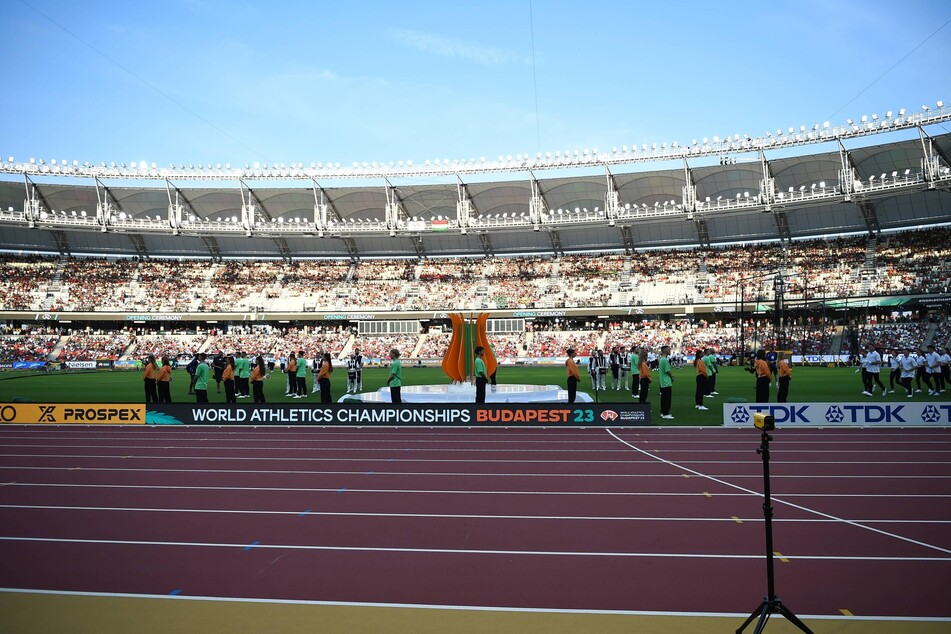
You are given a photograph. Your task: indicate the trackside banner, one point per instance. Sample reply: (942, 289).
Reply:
(407, 414)
(72, 413)
(829, 414)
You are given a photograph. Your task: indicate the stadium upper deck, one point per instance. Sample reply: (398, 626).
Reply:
(720, 191)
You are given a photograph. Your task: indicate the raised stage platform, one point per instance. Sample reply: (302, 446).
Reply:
(465, 393)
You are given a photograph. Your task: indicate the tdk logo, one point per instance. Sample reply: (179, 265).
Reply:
(783, 413)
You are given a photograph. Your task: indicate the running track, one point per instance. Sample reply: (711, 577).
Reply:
(647, 520)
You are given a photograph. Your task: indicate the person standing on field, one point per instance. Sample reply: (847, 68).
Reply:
(702, 381)
(202, 372)
(666, 383)
(573, 376)
(395, 380)
(643, 376)
(164, 381)
(481, 378)
(256, 379)
(149, 376)
(323, 377)
(227, 377)
(301, 375)
(764, 377)
(785, 376)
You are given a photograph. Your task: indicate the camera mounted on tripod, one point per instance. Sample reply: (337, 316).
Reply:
(764, 422)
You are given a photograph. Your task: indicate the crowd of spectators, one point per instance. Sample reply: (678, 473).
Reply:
(29, 347)
(899, 263)
(87, 346)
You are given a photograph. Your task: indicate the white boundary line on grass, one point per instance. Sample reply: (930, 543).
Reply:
(472, 608)
(781, 501)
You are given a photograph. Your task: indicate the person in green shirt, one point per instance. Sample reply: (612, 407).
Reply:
(201, 379)
(711, 362)
(395, 381)
(481, 378)
(666, 383)
(301, 375)
(244, 373)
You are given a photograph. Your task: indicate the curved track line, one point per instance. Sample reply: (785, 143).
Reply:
(779, 500)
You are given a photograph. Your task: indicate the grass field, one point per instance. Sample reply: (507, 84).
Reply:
(810, 384)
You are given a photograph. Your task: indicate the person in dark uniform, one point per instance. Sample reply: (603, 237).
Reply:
(218, 367)
(481, 378)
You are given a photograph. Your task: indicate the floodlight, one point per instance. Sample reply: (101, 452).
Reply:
(822, 184)
(907, 172)
(925, 108)
(864, 118)
(234, 219)
(81, 213)
(122, 215)
(941, 104)
(849, 121)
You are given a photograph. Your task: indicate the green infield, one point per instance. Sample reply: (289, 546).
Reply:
(810, 384)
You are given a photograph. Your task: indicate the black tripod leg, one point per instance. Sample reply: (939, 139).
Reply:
(761, 610)
(792, 618)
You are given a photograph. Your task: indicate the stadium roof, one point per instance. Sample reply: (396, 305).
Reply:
(890, 185)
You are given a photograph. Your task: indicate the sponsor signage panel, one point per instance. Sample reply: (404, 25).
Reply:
(28, 365)
(80, 365)
(72, 413)
(845, 414)
(406, 414)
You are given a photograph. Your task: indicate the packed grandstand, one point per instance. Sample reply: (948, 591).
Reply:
(830, 252)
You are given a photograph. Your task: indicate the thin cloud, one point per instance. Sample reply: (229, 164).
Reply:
(449, 47)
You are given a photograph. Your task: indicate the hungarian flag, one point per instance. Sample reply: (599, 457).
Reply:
(440, 225)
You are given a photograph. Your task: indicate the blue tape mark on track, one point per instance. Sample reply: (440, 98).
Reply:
(369, 473)
(175, 593)
(341, 489)
(304, 513)
(391, 459)
(253, 544)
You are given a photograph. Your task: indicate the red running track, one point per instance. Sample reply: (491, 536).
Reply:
(666, 520)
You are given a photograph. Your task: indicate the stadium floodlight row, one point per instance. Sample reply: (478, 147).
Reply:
(715, 147)
(749, 196)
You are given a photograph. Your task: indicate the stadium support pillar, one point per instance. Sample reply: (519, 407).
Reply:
(62, 242)
(870, 214)
(846, 172)
(555, 240)
(703, 234)
(537, 204)
(689, 192)
(627, 237)
(932, 158)
(767, 186)
(212, 245)
(394, 208)
(464, 207)
(612, 200)
(486, 241)
(34, 204)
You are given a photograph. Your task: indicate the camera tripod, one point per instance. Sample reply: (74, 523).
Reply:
(771, 603)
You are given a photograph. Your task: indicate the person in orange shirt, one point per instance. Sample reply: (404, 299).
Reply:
(149, 376)
(291, 375)
(763, 377)
(701, 380)
(323, 377)
(643, 376)
(164, 381)
(785, 376)
(571, 369)
(258, 374)
(227, 375)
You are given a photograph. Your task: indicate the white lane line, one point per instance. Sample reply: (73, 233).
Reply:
(297, 447)
(463, 474)
(472, 608)
(454, 551)
(785, 502)
(450, 491)
(604, 518)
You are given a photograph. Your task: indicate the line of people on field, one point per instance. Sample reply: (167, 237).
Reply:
(933, 367)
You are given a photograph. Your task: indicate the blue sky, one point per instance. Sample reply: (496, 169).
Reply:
(183, 81)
